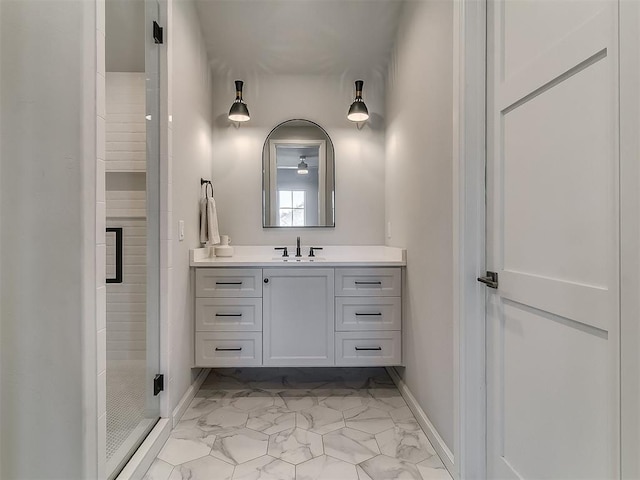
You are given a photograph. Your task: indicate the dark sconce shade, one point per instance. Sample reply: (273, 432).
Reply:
(303, 168)
(358, 111)
(239, 111)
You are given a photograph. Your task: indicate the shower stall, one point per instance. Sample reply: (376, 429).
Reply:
(132, 53)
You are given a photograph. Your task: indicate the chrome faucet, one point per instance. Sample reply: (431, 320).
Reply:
(298, 252)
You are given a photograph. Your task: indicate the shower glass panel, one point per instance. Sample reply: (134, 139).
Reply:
(133, 225)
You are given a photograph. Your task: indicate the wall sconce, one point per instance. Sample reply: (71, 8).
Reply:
(303, 168)
(358, 111)
(239, 111)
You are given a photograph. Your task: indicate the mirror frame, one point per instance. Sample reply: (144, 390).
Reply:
(269, 147)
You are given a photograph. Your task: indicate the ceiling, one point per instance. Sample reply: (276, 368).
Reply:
(301, 37)
(353, 38)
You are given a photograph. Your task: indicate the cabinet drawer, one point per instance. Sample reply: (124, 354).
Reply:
(228, 282)
(229, 314)
(366, 313)
(366, 282)
(228, 349)
(359, 349)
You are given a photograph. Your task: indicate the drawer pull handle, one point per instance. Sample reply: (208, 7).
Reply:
(368, 283)
(228, 283)
(236, 349)
(368, 348)
(379, 314)
(228, 314)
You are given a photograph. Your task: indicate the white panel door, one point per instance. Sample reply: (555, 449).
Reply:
(552, 236)
(298, 317)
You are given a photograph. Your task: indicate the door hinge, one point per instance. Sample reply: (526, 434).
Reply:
(491, 280)
(158, 384)
(158, 33)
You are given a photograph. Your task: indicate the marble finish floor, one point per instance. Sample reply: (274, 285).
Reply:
(298, 424)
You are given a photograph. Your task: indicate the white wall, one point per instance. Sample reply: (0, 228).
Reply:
(418, 193)
(630, 236)
(48, 412)
(190, 99)
(359, 156)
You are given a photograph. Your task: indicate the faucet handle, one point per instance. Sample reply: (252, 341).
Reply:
(285, 252)
(312, 249)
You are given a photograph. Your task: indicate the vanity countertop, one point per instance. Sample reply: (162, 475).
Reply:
(333, 256)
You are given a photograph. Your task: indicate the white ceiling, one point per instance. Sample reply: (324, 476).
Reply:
(345, 37)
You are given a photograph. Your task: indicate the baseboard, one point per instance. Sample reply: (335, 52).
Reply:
(186, 399)
(432, 434)
(147, 453)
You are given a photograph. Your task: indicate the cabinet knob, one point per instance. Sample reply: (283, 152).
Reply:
(266, 280)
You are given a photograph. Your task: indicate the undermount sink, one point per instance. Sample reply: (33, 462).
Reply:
(299, 260)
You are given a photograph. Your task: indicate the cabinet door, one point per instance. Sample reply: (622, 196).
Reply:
(298, 317)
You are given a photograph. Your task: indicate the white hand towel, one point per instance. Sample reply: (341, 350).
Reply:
(208, 218)
(212, 221)
(204, 236)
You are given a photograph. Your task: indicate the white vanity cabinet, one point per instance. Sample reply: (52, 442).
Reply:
(368, 316)
(298, 317)
(228, 317)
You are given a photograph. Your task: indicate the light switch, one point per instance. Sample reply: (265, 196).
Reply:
(388, 229)
(181, 230)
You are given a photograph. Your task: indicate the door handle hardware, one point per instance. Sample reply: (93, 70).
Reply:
(237, 349)
(368, 348)
(368, 283)
(228, 283)
(379, 314)
(228, 314)
(491, 280)
(118, 232)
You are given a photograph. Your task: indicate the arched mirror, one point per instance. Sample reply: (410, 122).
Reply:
(298, 176)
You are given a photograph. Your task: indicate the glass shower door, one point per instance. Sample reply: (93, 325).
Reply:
(133, 213)
(153, 51)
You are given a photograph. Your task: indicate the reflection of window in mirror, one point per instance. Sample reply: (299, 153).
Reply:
(291, 208)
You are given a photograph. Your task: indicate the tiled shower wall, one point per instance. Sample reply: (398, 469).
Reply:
(126, 301)
(126, 208)
(126, 130)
